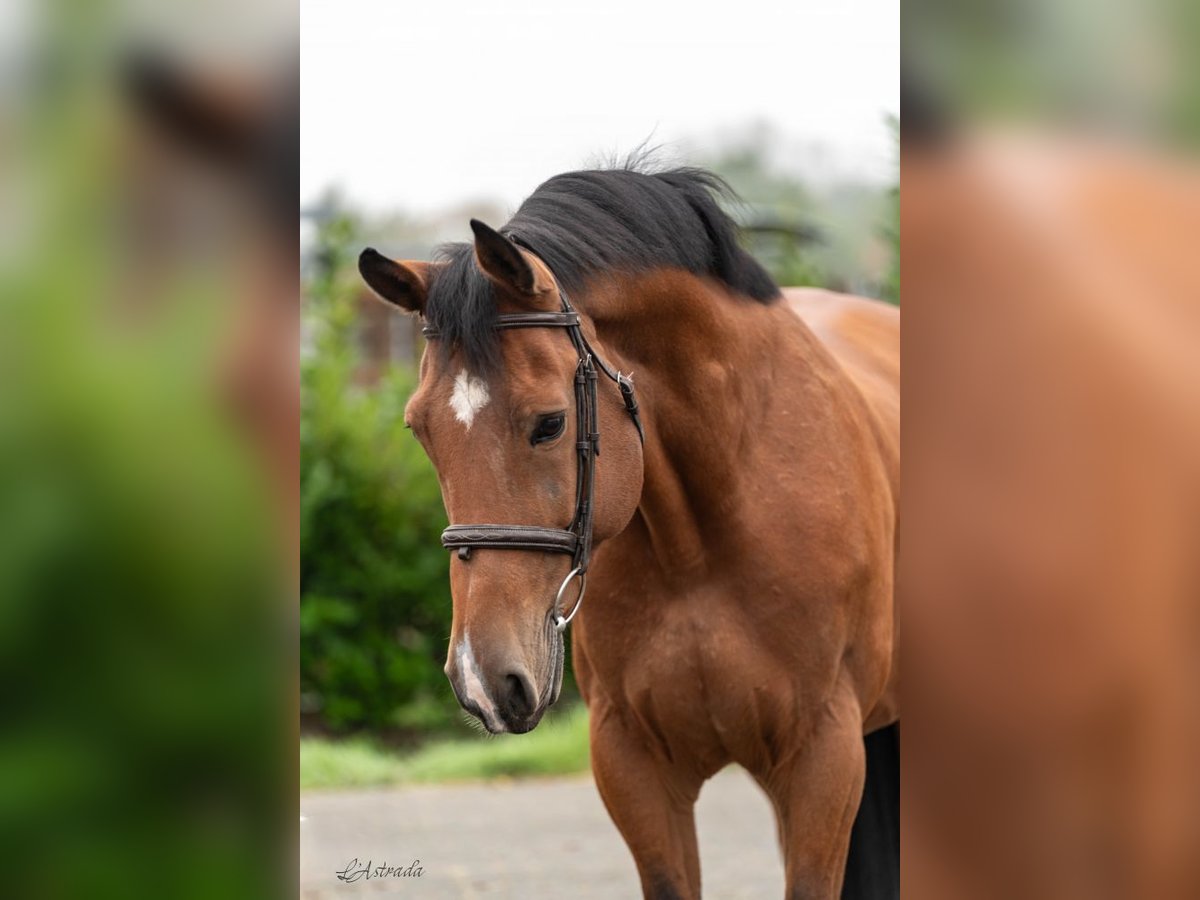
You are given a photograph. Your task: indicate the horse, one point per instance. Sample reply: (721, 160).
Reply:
(720, 459)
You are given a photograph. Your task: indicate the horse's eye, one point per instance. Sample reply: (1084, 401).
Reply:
(548, 428)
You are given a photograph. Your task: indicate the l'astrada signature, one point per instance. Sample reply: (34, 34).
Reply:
(355, 870)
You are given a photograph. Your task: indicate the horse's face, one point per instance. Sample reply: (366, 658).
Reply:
(503, 444)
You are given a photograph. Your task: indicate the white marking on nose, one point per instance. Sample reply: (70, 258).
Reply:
(473, 686)
(469, 397)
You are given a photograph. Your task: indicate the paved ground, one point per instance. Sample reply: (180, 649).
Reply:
(535, 840)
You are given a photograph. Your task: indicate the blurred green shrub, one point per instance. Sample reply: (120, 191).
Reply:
(144, 654)
(835, 232)
(375, 599)
(890, 230)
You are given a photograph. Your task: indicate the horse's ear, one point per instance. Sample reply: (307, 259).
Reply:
(506, 264)
(405, 284)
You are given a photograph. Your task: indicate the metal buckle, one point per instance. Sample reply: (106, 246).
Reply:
(561, 623)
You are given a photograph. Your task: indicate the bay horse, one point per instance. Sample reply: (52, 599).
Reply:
(741, 510)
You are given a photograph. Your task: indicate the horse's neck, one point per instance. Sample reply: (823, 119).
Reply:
(712, 373)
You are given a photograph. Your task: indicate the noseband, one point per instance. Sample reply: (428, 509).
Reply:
(576, 539)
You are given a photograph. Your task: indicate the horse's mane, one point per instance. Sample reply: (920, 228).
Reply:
(590, 224)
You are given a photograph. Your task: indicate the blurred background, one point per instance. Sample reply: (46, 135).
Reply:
(1050, 214)
(415, 120)
(148, 405)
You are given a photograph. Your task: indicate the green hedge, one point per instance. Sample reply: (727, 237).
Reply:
(375, 600)
(375, 606)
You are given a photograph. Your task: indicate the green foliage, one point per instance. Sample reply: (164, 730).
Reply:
(375, 605)
(140, 603)
(789, 261)
(806, 231)
(558, 746)
(890, 289)
(787, 247)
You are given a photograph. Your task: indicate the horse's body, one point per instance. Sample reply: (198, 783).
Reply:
(745, 615)
(740, 608)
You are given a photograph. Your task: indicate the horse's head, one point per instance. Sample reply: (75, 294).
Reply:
(501, 430)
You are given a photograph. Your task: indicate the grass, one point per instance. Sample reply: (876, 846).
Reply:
(558, 746)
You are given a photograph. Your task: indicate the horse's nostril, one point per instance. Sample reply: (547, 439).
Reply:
(519, 696)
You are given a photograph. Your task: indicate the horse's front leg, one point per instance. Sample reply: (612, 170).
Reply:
(816, 788)
(653, 806)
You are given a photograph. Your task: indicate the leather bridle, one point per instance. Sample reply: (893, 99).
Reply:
(576, 538)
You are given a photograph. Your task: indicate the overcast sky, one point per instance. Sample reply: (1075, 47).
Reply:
(425, 105)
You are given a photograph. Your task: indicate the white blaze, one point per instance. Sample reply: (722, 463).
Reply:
(469, 397)
(473, 687)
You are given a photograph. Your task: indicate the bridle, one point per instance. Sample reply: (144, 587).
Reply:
(576, 538)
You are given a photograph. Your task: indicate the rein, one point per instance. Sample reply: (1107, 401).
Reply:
(576, 538)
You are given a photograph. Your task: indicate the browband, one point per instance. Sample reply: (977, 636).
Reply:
(522, 320)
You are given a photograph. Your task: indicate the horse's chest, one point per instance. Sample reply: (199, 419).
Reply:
(707, 686)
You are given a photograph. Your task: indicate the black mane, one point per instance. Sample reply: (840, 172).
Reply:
(587, 224)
